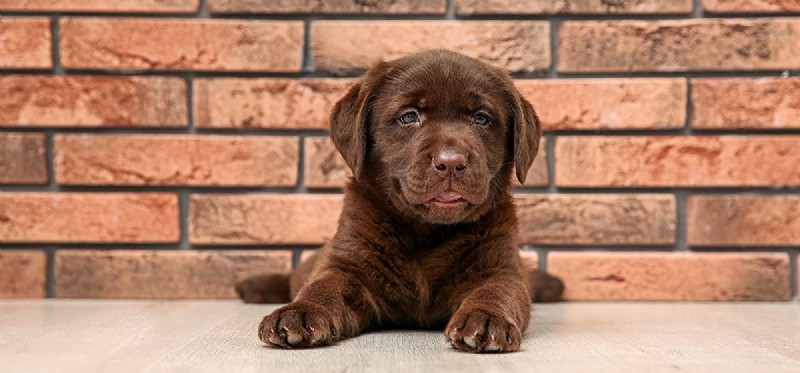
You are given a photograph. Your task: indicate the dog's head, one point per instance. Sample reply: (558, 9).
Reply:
(438, 133)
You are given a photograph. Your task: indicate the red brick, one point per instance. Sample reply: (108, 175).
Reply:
(325, 167)
(530, 259)
(603, 276)
(329, 7)
(126, 6)
(591, 104)
(92, 101)
(679, 45)
(138, 274)
(22, 158)
(266, 103)
(751, 6)
(263, 219)
(741, 103)
(585, 219)
(176, 44)
(743, 220)
(702, 161)
(81, 217)
(23, 274)
(176, 160)
(514, 7)
(25, 43)
(342, 46)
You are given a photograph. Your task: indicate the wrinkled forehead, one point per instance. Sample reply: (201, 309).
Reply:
(447, 85)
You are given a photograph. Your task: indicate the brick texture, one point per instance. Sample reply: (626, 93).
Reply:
(751, 6)
(88, 217)
(22, 158)
(325, 7)
(585, 219)
(680, 45)
(325, 168)
(591, 104)
(601, 276)
(115, 6)
(743, 220)
(92, 101)
(176, 160)
(23, 274)
(266, 103)
(263, 219)
(342, 46)
(746, 103)
(707, 161)
(467, 7)
(25, 43)
(173, 44)
(137, 274)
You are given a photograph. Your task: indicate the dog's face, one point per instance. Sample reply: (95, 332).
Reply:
(438, 133)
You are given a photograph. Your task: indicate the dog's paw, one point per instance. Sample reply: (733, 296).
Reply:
(481, 331)
(298, 325)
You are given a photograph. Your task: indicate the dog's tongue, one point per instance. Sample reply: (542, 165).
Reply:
(448, 197)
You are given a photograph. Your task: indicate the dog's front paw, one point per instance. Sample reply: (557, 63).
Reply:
(298, 325)
(481, 331)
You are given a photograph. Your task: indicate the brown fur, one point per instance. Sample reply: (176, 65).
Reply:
(399, 258)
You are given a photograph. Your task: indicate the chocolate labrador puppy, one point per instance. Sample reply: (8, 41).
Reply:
(427, 236)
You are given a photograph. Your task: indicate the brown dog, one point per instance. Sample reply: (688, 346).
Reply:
(427, 236)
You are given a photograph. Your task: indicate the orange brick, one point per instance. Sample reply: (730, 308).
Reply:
(325, 167)
(139, 274)
(585, 219)
(329, 7)
(263, 219)
(342, 46)
(467, 7)
(23, 274)
(591, 104)
(55, 101)
(266, 103)
(176, 44)
(25, 43)
(22, 158)
(81, 217)
(751, 6)
(743, 220)
(702, 161)
(530, 259)
(126, 6)
(603, 276)
(679, 45)
(741, 103)
(176, 160)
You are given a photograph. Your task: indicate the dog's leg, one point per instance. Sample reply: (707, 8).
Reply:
(492, 317)
(332, 307)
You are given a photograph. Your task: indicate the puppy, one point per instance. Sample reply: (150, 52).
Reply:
(427, 236)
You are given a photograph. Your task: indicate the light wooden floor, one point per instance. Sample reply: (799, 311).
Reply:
(119, 336)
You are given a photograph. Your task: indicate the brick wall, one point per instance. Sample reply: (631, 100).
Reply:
(166, 148)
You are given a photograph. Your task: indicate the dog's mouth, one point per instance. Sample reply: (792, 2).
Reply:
(448, 200)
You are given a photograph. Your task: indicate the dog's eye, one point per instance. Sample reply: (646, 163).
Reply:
(409, 117)
(481, 119)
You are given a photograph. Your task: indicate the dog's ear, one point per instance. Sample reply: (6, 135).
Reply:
(349, 118)
(527, 133)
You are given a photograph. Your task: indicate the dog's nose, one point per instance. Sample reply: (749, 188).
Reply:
(448, 161)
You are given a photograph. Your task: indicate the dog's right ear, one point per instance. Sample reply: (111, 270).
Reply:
(350, 117)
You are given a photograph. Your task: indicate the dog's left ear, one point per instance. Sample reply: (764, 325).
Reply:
(527, 133)
(349, 118)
